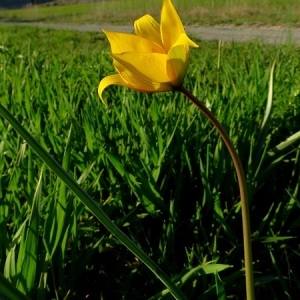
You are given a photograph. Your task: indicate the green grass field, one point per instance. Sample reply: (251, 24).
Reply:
(154, 164)
(236, 12)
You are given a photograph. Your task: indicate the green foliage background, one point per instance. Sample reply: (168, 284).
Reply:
(156, 166)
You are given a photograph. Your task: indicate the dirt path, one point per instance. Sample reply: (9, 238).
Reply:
(266, 34)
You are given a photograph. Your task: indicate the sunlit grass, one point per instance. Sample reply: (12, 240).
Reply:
(155, 165)
(191, 11)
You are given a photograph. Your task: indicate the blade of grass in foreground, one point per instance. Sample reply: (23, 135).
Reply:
(8, 291)
(209, 268)
(90, 203)
(27, 258)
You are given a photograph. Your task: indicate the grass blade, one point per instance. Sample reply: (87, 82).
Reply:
(8, 291)
(90, 203)
(265, 123)
(27, 258)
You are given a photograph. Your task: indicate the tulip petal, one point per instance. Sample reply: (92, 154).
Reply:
(109, 80)
(137, 81)
(177, 61)
(123, 42)
(177, 64)
(150, 67)
(155, 58)
(170, 25)
(148, 28)
(185, 40)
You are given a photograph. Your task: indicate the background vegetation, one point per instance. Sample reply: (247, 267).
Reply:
(236, 12)
(156, 166)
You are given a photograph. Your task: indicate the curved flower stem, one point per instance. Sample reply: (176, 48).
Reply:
(242, 187)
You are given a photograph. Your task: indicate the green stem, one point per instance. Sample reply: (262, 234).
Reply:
(242, 187)
(90, 203)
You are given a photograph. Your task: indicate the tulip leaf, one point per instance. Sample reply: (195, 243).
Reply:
(8, 291)
(92, 205)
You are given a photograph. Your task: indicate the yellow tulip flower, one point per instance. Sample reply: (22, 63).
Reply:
(155, 58)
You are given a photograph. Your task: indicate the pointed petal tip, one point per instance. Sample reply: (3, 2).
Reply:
(100, 91)
(193, 44)
(114, 79)
(104, 83)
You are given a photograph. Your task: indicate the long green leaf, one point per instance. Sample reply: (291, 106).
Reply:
(8, 291)
(60, 213)
(27, 258)
(199, 270)
(90, 203)
(288, 142)
(266, 121)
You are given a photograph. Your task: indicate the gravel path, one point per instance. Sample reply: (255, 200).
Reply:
(266, 34)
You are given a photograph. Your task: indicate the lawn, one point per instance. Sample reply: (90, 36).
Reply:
(236, 12)
(155, 166)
